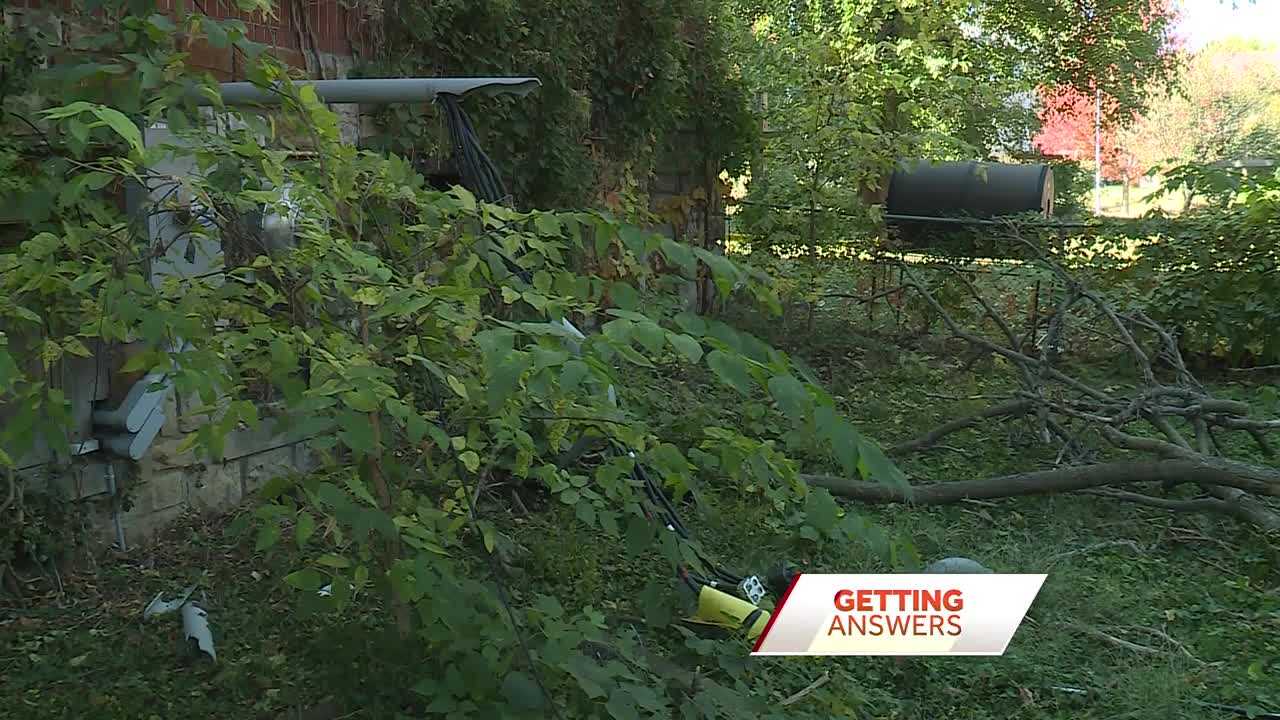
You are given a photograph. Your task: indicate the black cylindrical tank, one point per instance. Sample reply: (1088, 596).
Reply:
(970, 189)
(926, 200)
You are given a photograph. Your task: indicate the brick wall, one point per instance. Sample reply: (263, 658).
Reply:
(312, 35)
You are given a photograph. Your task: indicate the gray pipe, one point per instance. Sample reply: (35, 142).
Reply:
(378, 91)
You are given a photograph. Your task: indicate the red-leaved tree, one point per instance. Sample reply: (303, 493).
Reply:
(1067, 119)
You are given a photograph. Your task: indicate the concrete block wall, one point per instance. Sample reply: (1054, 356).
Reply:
(127, 502)
(170, 480)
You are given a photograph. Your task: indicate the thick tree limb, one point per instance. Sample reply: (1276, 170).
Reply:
(1041, 482)
(1146, 444)
(1245, 508)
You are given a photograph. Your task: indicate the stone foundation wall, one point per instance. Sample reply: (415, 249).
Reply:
(125, 503)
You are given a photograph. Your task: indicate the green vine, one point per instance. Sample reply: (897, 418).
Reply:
(620, 83)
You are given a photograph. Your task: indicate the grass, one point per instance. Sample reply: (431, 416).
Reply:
(1142, 199)
(1200, 594)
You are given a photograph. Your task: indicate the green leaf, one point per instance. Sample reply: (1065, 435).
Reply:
(361, 400)
(78, 130)
(630, 354)
(355, 431)
(680, 255)
(622, 706)
(456, 385)
(686, 345)
(585, 512)
(840, 435)
(304, 529)
(572, 374)
(73, 346)
(216, 34)
(731, 370)
(333, 561)
(490, 536)
(692, 324)
(652, 337)
(791, 396)
(358, 489)
(544, 358)
(66, 111)
(638, 536)
(470, 460)
(618, 330)
(634, 238)
(821, 510)
(268, 535)
(121, 124)
(522, 691)
(307, 580)
(875, 465)
(624, 296)
(504, 382)
(546, 224)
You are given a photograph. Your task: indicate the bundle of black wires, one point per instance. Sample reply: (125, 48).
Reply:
(478, 173)
(667, 516)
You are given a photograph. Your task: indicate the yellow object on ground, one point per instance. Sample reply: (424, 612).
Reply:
(725, 610)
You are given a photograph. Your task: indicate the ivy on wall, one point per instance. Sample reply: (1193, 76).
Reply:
(618, 82)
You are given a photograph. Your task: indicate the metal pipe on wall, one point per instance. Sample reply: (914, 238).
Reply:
(377, 91)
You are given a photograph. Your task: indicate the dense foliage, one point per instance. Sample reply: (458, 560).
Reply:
(854, 86)
(1070, 129)
(622, 83)
(1208, 272)
(1224, 106)
(417, 337)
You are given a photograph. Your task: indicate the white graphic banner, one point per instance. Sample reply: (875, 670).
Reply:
(899, 614)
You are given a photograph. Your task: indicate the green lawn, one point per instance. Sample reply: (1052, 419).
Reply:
(1141, 201)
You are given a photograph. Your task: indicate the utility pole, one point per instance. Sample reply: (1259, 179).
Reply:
(1097, 151)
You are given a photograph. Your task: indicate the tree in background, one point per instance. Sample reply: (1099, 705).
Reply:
(1225, 106)
(1068, 131)
(850, 87)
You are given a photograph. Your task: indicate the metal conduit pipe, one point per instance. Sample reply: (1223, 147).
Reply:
(377, 91)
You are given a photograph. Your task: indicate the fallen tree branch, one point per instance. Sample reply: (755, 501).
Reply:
(1211, 505)
(822, 680)
(1015, 407)
(1065, 479)
(1113, 640)
(1164, 414)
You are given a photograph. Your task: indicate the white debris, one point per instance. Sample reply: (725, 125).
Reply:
(195, 626)
(956, 566)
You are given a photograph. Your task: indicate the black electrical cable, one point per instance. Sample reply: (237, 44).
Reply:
(669, 517)
(478, 172)
(475, 168)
